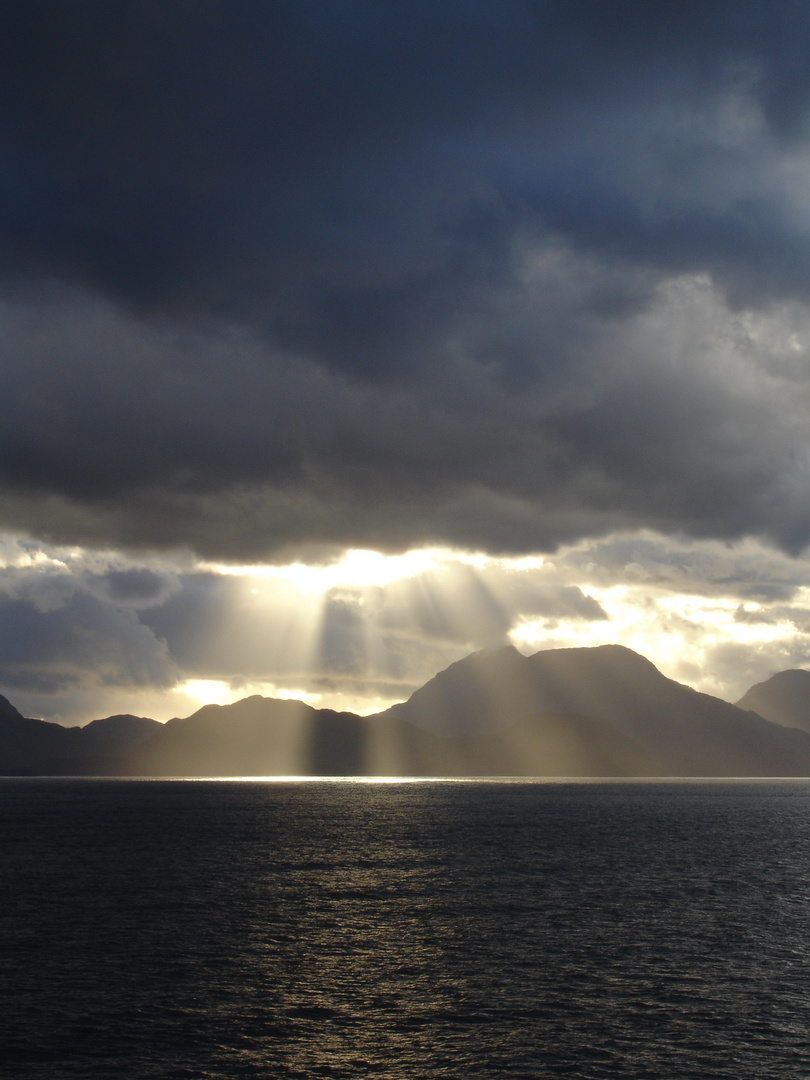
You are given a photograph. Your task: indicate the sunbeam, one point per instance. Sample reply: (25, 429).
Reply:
(162, 635)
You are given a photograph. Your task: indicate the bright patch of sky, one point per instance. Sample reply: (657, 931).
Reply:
(163, 634)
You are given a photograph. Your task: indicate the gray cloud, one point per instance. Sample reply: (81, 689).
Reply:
(137, 587)
(331, 171)
(308, 275)
(682, 416)
(748, 571)
(79, 642)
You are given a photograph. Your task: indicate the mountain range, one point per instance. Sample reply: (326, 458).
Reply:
(604, 711)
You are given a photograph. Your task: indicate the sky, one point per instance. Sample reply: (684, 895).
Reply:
(340, 339)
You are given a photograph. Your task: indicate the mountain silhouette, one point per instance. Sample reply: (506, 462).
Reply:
(260, 736)
(783, 699)
(40, 748)
(253, 737)
(604, 711)
(685, 732)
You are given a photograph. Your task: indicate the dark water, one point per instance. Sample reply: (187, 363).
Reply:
(224, 929)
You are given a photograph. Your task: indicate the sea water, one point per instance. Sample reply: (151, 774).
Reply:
(169, 929)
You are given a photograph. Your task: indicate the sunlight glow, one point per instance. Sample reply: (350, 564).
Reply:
(675, 631)
(361, 568)
(206, 691)
(357, 568)
(364, 631)
(217, 692)
(13, 556)
(297, 778)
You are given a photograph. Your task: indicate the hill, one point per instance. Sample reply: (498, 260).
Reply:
(602, 711)
(685, 732)
(783, 699)
(39, 748)
(260, 736)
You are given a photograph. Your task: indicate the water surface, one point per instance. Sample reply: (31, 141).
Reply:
(170, 929)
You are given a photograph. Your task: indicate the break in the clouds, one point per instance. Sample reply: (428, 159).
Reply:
(279, 280)
(498, 276)
(78, 627)
(85, 634)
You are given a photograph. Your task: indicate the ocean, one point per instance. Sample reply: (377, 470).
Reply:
(225, 929)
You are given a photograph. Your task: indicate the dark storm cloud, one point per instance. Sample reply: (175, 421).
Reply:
(137, 588)
(324, 167)
(384, 274)
(78, 642)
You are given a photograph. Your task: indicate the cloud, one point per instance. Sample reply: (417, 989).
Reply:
(77, 643)
(307, 273)
(265, 628)
(74, 624)
(83, 634)
(323, 168)
(278, 280)
(136, 586)
(717, 616)
(684, 416)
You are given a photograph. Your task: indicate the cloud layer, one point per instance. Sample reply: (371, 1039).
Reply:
(494, 276)
(280, 280)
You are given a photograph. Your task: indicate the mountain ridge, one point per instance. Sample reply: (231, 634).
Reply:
(784, 698)
(597, 711)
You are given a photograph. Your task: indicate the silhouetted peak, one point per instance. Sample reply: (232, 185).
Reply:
(7, 710)
(477, 665)
(782, 699)
(602, 710)
(617, 655)
(120, 732)
(484, 691)
(792, 677)
(500, 656)
(120, 721)
(251, 708)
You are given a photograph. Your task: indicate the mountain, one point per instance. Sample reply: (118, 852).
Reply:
(260, 736)
(783, 699)
(685, 732)
(253, 737)
(482, 693)
(690, 733)
(602, 711)
(40, 748)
